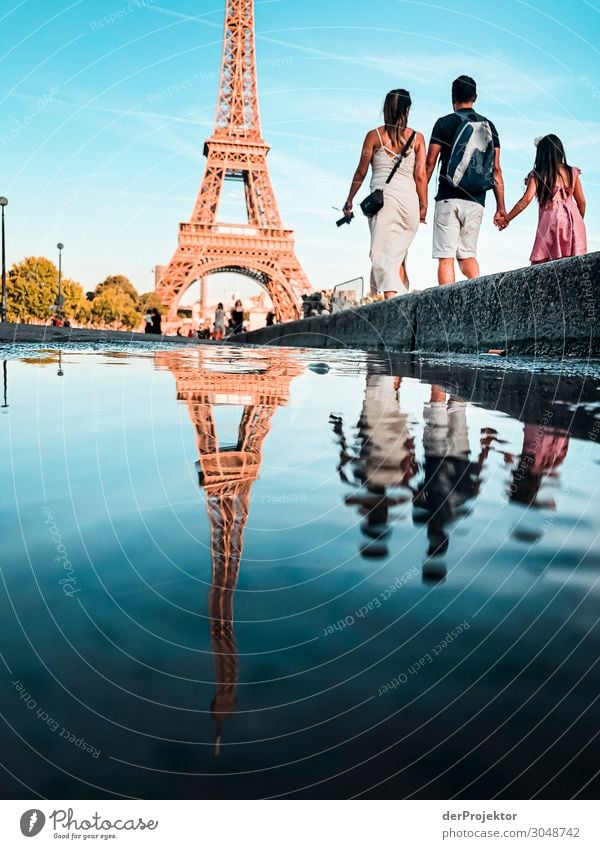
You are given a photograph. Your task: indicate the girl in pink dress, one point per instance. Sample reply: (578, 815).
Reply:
(560, 230)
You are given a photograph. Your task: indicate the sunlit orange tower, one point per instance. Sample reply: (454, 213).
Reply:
(262, 248)
(227, 473)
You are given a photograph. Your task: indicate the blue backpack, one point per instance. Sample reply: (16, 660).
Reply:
(471, 163)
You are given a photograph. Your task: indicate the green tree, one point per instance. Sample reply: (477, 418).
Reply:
(115, 309)
(75, 305)
(150, 301)
(32, 288)
(120, 284)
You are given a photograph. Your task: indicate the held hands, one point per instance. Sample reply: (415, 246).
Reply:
(423, 213)
(501, 220)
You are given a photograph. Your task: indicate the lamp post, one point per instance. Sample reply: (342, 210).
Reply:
(3, 203)
(5, 381)
(60, 247)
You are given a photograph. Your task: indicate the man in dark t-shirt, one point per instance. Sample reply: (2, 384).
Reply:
(458, 214)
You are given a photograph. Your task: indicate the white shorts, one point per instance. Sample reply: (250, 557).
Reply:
(456, 226)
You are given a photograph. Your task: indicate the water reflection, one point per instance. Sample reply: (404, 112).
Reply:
(381, 462)
(5, 404)
(304, 702)
(450, 479)
(382, 466)
(226, 473)
(544, 450)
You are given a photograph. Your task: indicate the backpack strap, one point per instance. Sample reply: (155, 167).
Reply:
(401, 156)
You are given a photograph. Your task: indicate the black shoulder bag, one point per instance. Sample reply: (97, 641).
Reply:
(374, 202)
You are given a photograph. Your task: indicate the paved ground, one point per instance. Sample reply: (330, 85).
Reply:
(12, 333)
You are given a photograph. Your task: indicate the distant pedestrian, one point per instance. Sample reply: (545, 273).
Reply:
(156, 322)
(148, 322)
(219, 321)
(556, 184)
(237, 316)
(469, 148)
(395, 225)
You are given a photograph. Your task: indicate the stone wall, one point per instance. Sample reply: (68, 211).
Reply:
(544, 309)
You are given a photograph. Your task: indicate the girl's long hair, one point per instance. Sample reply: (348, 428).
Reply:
(550, 155)
(395, 113)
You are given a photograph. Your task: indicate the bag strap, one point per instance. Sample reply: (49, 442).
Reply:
(401, 156)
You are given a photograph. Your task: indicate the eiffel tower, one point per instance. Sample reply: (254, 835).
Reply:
(226, 474)
(261, 249)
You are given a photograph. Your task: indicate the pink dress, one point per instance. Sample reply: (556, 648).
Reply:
(560, 231)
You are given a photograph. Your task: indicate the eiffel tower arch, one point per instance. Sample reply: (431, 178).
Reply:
(227, 474)
(261, 249)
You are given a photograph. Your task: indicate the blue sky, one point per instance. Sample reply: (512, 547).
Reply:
(103, 119)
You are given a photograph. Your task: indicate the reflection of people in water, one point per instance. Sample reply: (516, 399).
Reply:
(544, 449)
(384, 460)
(450, 478)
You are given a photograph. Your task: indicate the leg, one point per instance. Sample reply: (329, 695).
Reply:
(446, 233)
(437, 395)
(446, 271)
(470, 216)
(469, 267)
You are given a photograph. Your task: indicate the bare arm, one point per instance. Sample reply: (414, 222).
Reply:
(579, 196)
(498, 188)
(522, 204)
(420, 174)
(432, 158)
(361, 169)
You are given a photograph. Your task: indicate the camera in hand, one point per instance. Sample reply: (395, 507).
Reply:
(345, 220)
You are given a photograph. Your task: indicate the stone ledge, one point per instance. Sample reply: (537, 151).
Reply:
(549, 309)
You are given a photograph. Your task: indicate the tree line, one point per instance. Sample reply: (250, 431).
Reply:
(32, 289)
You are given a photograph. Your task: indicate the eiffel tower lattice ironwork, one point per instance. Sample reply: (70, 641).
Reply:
(226, 475)
(262, 248)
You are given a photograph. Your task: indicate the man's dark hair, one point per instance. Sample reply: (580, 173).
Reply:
(464, 89)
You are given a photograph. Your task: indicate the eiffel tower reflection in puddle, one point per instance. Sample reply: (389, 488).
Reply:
(209, 378)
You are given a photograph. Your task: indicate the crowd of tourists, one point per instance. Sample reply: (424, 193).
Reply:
(317, 303)
(465, 145)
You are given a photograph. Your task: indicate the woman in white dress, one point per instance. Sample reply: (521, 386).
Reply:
(394, 227)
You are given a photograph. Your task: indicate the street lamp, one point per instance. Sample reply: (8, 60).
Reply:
(3, 203)
(60, 246)
(5, 381)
